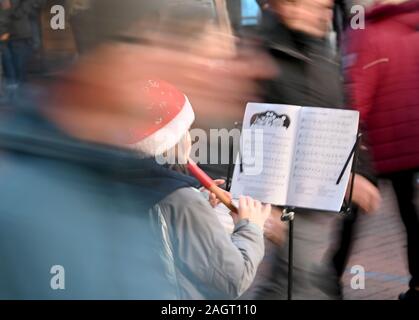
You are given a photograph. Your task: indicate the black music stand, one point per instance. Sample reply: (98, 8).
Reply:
(288, 213)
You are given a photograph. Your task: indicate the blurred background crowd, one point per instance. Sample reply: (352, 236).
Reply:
(75, 103)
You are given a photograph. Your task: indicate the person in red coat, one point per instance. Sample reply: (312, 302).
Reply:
(382, 64)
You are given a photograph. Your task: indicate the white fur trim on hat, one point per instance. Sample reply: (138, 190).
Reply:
(167, 137)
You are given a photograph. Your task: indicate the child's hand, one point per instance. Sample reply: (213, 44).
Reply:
(275, 229)
(252, 210)
(5, 37)
(365, 194)
(213, 200)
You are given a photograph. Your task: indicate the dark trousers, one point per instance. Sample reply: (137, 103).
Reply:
(404, 187)
(16, 54)
(341, 256)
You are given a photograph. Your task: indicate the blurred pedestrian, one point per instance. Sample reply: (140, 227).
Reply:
(119, 225)
(296, 35)
(383, 83)
(19, 47)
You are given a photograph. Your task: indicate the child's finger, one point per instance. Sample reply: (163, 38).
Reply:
(235, 217)
(228, 194)
(219, 182)
(267, 209)
(214, 201)
(243, 203)
(249, 202)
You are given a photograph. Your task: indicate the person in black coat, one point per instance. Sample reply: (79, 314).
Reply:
(295, 34)
(19, 47)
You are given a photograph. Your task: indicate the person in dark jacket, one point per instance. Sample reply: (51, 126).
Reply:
(310, 75)
(383, 82)
(19, 46)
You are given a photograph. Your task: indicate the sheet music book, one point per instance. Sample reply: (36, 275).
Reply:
(293, 156)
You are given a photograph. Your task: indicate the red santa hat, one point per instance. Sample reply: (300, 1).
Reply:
(168, 114)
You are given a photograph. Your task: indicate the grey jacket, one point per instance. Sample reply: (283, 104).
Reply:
(208, 263)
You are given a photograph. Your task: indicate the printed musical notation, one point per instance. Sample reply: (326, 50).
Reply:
(302, 160)
(323, 143)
